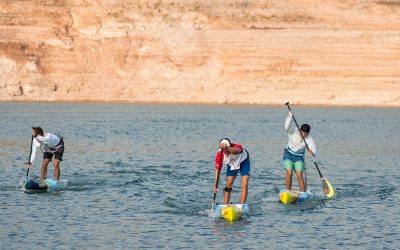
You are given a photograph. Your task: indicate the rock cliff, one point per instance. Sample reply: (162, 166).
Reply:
(333, 52)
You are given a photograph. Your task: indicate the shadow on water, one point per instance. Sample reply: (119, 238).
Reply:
(361, 189)
(270, 203)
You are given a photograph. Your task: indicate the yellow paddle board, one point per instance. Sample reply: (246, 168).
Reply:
(231, 213)
(290, 196)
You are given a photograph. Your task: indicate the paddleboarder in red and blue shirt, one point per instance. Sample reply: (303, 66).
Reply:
(237, 160)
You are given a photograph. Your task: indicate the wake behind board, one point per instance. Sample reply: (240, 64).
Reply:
(290, 196)
(43, 186)
(231, 212)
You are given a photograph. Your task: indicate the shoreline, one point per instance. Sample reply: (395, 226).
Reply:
(205, 104)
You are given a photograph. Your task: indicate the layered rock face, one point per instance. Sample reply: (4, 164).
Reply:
(331, 52)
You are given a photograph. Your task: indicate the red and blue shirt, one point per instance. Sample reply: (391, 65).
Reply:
(232, 160)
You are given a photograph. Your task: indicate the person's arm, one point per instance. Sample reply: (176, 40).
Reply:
(235, 150)
(215, 180)
(44, 139)
(217, 167)
(312, 147)
(288, 122)
(35, 145)
(218, 160)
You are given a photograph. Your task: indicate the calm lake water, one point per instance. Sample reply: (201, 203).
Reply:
(140, 176)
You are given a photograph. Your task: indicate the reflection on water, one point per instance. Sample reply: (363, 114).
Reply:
(141, 176)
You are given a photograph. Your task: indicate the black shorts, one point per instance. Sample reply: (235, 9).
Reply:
(58, 154)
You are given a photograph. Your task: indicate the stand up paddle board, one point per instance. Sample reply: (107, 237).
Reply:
(231, 212)
(290, 196)
(43, 186)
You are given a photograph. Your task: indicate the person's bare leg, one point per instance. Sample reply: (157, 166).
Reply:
(43, 171)
(56, 169)
(300, 180)
(245, 185)
(229, 184)
(289, 174)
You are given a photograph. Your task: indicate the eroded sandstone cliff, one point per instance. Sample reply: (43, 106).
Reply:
(331, 52)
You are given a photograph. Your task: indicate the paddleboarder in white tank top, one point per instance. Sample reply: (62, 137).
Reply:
(51, 145)
(293, 156)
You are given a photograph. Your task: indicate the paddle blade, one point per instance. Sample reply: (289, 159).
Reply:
(327, 188)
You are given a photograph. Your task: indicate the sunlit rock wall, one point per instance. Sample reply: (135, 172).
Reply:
(330, 52)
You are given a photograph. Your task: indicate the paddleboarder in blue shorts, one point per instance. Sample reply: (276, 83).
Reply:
(293, 156)
(237, 160)
(51, 145)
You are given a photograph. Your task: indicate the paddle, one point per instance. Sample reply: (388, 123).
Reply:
(326, 186)
(216, 182)
(29, 159)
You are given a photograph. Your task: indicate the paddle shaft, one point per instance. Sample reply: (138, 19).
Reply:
(217, 181)
(297, 125)
(29, 159)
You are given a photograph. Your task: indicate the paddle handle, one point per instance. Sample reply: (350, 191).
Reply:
(217, 180)
(297, 125)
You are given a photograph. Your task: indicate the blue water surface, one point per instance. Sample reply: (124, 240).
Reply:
(140, 176)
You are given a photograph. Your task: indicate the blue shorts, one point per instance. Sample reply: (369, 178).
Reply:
(244, 168)
(293, 162)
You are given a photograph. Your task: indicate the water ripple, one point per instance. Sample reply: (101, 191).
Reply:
(140, 175)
